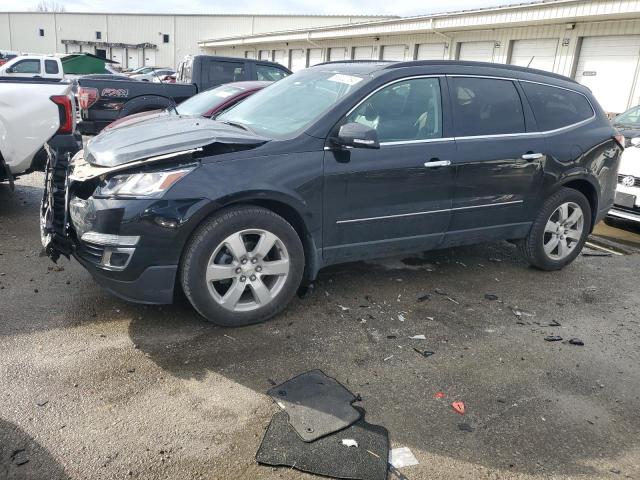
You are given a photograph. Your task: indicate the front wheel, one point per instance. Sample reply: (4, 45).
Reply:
(242, 266)
(559, 231)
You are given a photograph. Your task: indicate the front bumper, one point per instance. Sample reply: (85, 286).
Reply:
(625, 214)
(155, 285)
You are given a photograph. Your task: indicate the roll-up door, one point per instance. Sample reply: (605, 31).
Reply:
(298, 60)
(477, 51)
(337, 53)
(430, 51)
(537, 53)
(280, 56)
(393, 52)
(315, 56)
(363, 53)
(608, 65)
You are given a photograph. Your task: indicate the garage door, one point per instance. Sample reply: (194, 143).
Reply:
(393, 52)
(363, 53)
(607, 65)
(117, 55)
(315, 56)
(337, 53)
(476, 51)
(265, 55)
(133, 58)
(150, 58)
(280, 56)
(430, 51)
(249, 54)
(537, 53)
(298, 60)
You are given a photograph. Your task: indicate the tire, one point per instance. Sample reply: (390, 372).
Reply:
(570, 243)
(214, 248)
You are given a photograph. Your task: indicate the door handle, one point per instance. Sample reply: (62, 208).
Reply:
(532, 156)
(437, 163)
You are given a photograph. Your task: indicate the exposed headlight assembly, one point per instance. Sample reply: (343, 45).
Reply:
(142, 184)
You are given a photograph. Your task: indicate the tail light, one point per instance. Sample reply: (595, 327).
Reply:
(87, 96)
(65, 111)
(619, 138)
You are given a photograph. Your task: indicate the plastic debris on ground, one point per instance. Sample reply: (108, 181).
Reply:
(349, 442)
(402, 457)
(576, 341)
(440, 395)
(424, 353)
(418, 337)
(553, 338)
(490, 296)
(458, 407)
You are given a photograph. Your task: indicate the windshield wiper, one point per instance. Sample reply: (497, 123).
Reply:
(235, 124)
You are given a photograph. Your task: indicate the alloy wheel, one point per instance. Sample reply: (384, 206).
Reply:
(563, 231)
(247, 270)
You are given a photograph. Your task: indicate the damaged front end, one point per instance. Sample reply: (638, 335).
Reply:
(107, 202)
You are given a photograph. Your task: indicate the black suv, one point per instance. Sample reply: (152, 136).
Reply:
(343, 161)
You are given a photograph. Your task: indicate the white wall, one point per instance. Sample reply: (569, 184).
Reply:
(19, 31)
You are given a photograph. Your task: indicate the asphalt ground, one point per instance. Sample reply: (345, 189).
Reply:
(92, 387)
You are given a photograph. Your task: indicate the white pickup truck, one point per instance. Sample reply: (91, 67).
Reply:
(33, 66)
(35, 115)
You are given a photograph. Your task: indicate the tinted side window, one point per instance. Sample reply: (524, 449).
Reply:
(51, 67)
(555, 107)
(27, 66)
(225, 72)
(485, 106)
(269, 73)
(408, 110)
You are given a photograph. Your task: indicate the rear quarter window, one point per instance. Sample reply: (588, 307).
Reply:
(556, 107)
(51, 67)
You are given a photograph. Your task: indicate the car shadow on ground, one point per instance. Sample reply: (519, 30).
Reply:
(533, 407)
(22, 458)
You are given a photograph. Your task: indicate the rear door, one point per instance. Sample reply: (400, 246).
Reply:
(499, 163)
(396, 198)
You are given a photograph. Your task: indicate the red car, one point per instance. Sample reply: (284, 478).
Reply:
(206, 104)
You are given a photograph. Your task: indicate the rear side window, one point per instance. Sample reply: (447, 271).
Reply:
(269, 73)
(556, 107)
(51, 67)
(224, 72)
(484, 106)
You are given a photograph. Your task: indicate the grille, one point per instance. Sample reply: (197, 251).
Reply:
(636, 182)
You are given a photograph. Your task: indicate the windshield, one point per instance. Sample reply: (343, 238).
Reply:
(630, 117)
(208, 100)
(294, 102)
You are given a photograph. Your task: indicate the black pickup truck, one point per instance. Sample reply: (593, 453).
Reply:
(103, 101)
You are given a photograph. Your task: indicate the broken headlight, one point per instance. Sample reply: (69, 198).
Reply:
(142, 184)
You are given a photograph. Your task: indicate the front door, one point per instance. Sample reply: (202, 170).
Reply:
(499, 165)
(396, 198)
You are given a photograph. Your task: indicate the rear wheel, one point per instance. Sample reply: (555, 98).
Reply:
(559, 231)
(242, 266)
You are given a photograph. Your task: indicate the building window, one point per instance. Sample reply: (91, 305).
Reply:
(41, 32)
(165, 38)
(98, 35)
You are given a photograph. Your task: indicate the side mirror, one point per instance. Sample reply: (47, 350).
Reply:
(357, 135)
(10, 70)
(635, 141)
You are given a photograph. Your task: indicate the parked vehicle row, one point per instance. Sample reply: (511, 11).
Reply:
(338, 162)
(32, 115)
(103, 101)
(627, 201)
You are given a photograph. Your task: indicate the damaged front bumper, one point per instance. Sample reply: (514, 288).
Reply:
(130, 246)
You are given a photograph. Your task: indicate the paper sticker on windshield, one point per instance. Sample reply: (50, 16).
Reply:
(346, 79)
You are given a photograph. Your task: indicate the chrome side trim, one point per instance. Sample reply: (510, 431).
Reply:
(409, 142)
(413, 214)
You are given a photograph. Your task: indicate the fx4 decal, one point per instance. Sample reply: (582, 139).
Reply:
(114, 92)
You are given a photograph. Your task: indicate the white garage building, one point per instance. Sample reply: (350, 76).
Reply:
(597, 42)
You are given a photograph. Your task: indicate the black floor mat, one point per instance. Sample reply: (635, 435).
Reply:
(327, 456)
(317, 405)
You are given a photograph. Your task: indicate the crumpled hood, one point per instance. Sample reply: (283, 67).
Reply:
(161, 136)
